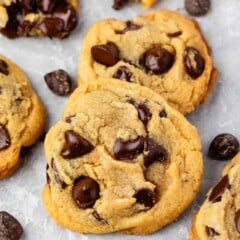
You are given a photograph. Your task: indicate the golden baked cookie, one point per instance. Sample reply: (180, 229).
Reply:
(120, 159)
(219, 216)
(163, 50)
(38, 18)
(22, 116)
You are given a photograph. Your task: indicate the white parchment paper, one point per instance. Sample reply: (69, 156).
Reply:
(21, 194)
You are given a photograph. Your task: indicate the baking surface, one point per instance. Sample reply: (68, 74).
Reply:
(21, 194)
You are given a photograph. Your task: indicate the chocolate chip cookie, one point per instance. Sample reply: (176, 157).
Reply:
(118, 4)
(163, 50)
(219, 216)
(38, 18)
(22, 116)
(120, 159)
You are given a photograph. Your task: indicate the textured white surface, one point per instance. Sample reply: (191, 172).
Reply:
(21, 194)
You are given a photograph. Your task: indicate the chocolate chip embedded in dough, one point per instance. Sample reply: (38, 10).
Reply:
(146, 197)
(211, 232)
(237, 220)
(4, 67)
(5, 140)
(123, 73)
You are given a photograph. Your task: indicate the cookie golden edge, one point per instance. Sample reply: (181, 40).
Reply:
(213, 75)
(146, 227)
(35, 125)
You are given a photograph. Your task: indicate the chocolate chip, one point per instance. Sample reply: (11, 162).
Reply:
(52, 27)
(59, 82)
(175, 34)
(219, 189)
(47, 6)
(3, 67)
(118, 4)
(155, 152)
(25, 28)
(85, 192)
(69, 118)
(57, 177)
(237, 220)
(194, 62)
(29, 5)
(99, 218)
(223, 147)
(130, 26)
(144, 113)
(68, 15)
(211, 232)
(158, 60)
(128, 150)
(197, 7)
(146, 197)
(75, 145)
(47, 176)
(10, 228)
(106, 54)
(123, 73)
(5, 140)
(163, 114)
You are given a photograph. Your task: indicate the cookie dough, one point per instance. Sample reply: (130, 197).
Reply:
(163, 50)
(120, 159)
(38, 18)
(219, 216)
(22, 116)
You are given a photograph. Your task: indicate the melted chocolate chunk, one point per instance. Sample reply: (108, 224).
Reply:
(106, 54)
(123, 73)
(158, 60)
(47, 6)
(118, 4)
(5, 140)
(211, 232)
(3, 67)
(59, 82)
(85, 192)
(219, 189)
(75, 145)
(237, 220)
(144, 113)
(130, 26)
(99, 218)
(223, 147)
(155, 152)
(146, 197)
(194, 62)
(25, 28)
(57, 177)
(10, 228)
(128, 150)
(163, 114)
(197, 7)
(175, 34)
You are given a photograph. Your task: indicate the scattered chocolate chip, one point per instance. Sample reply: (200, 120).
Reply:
(130, 26)
(197, 7)
(106, 54)
(99, 218)
(158, 60)
(75, 145)
(10, 228)
(47, 176)
(237, 220)
(163, 114)
(25, 151)
(223, 147)
(123, 73)
(5, 140)
(3, 67)
(47, 6)
(146, 197)
(69, 118)
(25, 28)
(59, 82)
(52, 27)
(194, 62)
(219, 189)
(155, 152)
(118, 4)
(85, 192)
(57, 177)
(175, 34)
(144, 113)
(128, 150)
(211, 232)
